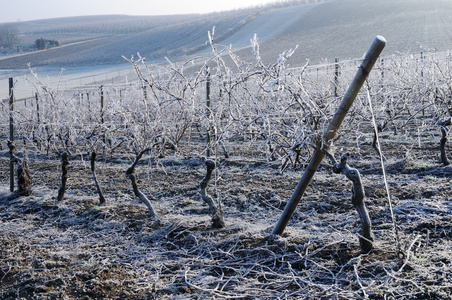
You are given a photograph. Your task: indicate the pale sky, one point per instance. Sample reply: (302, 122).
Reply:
(25, 10)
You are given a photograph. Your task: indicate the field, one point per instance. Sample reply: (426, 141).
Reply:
(322, 29)
(156, 131)
(95, 47)
(76, 248)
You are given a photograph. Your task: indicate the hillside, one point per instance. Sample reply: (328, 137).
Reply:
(344, 28)
(103, 40)
(335, 28)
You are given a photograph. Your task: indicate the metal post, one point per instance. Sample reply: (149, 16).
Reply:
(328, 136)
(11, 133)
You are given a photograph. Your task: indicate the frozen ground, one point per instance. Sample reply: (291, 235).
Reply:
(77, 249)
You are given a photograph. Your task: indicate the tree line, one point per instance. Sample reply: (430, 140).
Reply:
(42, 44)
(9, 37)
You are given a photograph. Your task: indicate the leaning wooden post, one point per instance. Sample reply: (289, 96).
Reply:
(363, 72)
(11, 134)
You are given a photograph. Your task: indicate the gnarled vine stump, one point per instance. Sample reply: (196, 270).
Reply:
(23, 173)
(366, 238)
(96, 183)
(130, 173)
(217, 214)
(64, 175)
(442, 145)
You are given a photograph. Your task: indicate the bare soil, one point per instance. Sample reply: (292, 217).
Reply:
(75, 249)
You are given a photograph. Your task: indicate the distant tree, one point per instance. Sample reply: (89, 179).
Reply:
(8, 35)
(52, 43)
(40, 44)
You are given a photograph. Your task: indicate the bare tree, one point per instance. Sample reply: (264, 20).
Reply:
(8, 35)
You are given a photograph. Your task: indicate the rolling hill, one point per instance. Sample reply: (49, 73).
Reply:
(324, 29)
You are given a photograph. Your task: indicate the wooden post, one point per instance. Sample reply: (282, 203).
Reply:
(208, 137)
(102, 104)
(37, 108)
(328, 136)
(102, 116)
(382, 94)
(89, 105)
(145, 93)
(336, 76)
(422, 64)
(11, 134)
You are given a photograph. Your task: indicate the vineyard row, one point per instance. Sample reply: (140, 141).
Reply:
(198, 111)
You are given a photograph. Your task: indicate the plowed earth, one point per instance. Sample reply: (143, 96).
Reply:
(75, 249)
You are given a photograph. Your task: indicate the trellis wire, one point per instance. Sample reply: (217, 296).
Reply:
(388, 193)
(324, 82)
